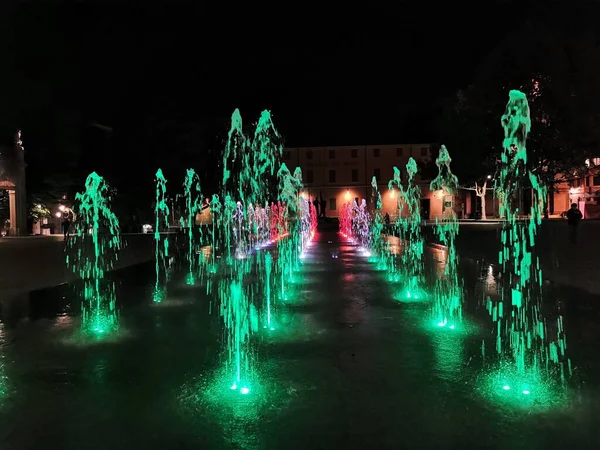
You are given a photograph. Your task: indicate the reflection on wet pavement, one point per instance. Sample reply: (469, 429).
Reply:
(348, 367)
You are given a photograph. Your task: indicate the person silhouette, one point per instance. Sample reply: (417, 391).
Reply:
(574, 216)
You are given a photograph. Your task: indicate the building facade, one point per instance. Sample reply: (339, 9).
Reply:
(582, 188)
(343, 174)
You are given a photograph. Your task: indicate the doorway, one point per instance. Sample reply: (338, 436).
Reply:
(425, 209)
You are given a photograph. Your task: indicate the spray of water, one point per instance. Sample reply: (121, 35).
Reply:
(288, 250)
(92, 252)
(398, 226)
(241, 226)
(361, 224)
(447, 295)
(408, 229)
(161, 250)
(529, 355)
(345, 220)
(193, 205)
(377, 241)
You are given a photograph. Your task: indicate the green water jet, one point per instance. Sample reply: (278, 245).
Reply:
(161, 241)
(93, 251)
(193, 205)
(447, 295)
(408, 229)
(377, 238)
(527, 353)
(248, 168)
(289, 248)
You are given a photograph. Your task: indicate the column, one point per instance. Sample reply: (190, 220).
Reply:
(12, 202)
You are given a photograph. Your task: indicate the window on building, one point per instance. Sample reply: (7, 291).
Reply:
(399, 151)
(332, 176)
(286, 156)
(309, 176)
(354, 153)
(354, 174)
(332, 204)
(377, 173)
(331, 154)
(376, 152)
(596, 180)
(424, 151)
(309, 154)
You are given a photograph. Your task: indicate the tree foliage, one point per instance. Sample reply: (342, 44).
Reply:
(559, 74)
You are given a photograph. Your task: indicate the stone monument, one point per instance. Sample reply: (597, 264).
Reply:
(12, 179)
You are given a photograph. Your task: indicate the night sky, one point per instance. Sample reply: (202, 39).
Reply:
(157, 75)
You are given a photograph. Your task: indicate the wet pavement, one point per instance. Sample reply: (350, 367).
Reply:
(348, 367)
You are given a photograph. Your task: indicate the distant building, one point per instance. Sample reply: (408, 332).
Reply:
(343, 174)
(582, 188)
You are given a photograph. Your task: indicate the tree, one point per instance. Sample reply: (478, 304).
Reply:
(558, 72)
(481, 192)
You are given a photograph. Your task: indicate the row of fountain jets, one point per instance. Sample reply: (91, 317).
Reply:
(256, 246)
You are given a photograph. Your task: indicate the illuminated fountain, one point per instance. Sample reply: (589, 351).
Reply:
(193, 205)
(92, 252)
(398, 227)
(314, 222)
(288, 251)
(239, 224)
(161, 241)
(447, 294)
(305, 222)
(408, 228)
(268, 300)
(530, 358)
(241, 239)
(377, 239)
(214, 240)
(361, 221)
(235, 305)
(345, 221)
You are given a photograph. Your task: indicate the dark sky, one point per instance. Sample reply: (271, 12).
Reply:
(327, 80)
